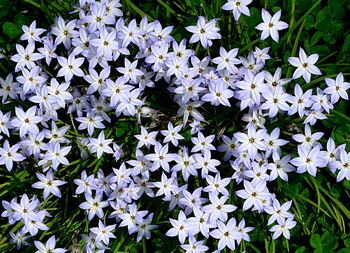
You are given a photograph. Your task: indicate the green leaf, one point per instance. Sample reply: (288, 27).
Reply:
(300, 249)
(119, 132)
(347, 243)
(11, 30)
(347, 250)
(329, 241)
(275, 9)
(309, 22)
(338, 10)
(346, 184)
(21, 20)
(316, 37)
(315, 241)
(5, 5)
(322, 15)
(320, 49)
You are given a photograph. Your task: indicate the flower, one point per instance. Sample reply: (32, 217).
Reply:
(98, 17)
(243, 231)
(193, 201)
(204, 32)
(278, 212)
(97, 81)
(49, 247)
(70, 66)
(144, 228)
(161, 157)
(180, 227)
(33, 225)
(217, 185)
(200, 223)
(185, 164)
(343, 165)
(276, 100)
(63, 32)
(205, 163)
(194, 246)
(252, 141)
(8, 155)
(19, 238)
(25, 210)
(56, 155)
(226, 233)
(31, 33)
(90, 122)
(308, 160)
(202, 143)
(227, 60)
(217, 209)
(25, 57)
(130, 33)
(283, 227)
(261, 55)
(103, 232)
(218, 94)
(94, 205)
(130, 71)
(100, 145)
(300, 101)
(105, 44)
(85, 184)
(254, 194)
(26, 121)
(337, 88)
(172, 134)
(58, 92)
(48, 184)
(251, 88)
(305, 65)
(238, 7)
(166, 186)
(271, 25)
(189, 90)
(280, 167)
(9, 88)
(309, 140)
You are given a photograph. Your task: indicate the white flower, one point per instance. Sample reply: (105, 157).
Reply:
(337, 88)
(204, 32)
(271, 25)
(49, 247)
(102, 232)
(238, 7)
(172, 134)
(8, 155)
(283, 228)
(70, 67)
(305, 65)
(48, 184)
(26, 121)
(180, 227)
(227, 234)
(100, 145)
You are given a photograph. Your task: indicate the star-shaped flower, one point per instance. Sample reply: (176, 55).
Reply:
(305, 65)
(271, 25)
(204, 32)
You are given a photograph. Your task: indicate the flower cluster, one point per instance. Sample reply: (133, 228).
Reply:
(96, 69)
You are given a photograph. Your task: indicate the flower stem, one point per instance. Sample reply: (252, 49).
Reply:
(144, 248)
